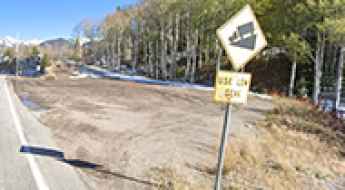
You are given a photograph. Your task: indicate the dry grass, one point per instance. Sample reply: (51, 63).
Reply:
(298, 147)
(168, 179)
(279, 159)
(303, 117)
(57, 71)
(49, 77)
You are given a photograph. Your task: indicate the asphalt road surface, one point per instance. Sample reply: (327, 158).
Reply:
(33, 170)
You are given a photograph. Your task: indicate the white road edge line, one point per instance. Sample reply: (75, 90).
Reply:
(39, 179)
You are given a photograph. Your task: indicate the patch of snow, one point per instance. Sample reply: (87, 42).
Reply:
(102, 73)
(327, 105)
(84, 41)
(97, 72)
(262, 96)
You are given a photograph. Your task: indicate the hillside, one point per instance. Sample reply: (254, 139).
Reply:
(59, 43)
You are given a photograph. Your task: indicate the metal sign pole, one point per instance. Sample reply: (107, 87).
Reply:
(224, 140)
(234, 87)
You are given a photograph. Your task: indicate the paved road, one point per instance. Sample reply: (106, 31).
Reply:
(20, 171)
(14, 169)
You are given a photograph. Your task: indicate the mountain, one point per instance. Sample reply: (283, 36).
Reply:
(9, 41)
(58, 43)
(34, 42)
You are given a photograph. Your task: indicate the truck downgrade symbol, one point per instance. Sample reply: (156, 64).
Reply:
(244, 37)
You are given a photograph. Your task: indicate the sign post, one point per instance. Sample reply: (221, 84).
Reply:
(221, 156)
(242, 39)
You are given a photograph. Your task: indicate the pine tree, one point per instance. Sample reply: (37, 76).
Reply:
(45, 62)
(35, 52)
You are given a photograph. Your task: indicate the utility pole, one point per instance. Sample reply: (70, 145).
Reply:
(16, 56)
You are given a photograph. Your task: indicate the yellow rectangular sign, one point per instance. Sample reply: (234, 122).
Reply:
(232, 87)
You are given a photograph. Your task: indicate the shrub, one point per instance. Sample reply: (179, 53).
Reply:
(45, 63)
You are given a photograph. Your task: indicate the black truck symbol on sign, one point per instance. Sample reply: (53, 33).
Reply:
(244, 37)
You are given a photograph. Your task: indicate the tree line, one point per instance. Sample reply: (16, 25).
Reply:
(15, 60)
(176, 39)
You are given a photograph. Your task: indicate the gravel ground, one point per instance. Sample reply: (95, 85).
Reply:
(129, 128)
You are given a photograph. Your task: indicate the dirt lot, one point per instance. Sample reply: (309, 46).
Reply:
(132, 129)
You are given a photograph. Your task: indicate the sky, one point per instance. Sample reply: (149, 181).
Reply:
(47, 19)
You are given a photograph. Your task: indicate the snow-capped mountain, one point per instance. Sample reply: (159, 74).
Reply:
(34, 42)
(9, 41)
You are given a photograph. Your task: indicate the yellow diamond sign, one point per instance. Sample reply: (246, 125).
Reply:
(242, 37)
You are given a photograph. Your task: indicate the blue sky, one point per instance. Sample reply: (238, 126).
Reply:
(45, 19)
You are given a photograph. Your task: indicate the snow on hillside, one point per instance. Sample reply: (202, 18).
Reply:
(34, 42)
(9, 41)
